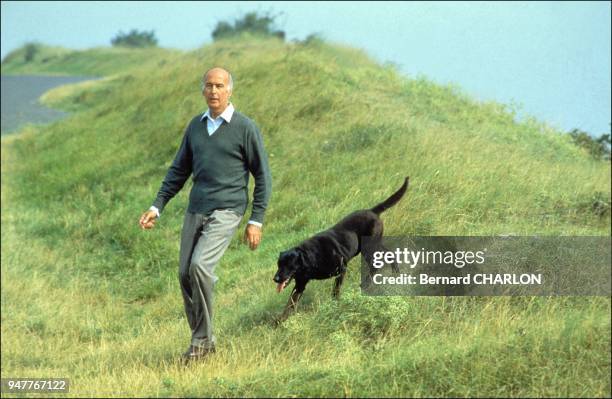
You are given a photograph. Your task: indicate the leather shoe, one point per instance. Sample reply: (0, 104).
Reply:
(197, 353)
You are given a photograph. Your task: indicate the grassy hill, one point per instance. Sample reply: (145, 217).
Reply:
(87, 295)
(36, 59)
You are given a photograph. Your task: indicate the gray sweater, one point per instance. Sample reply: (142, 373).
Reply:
(220, 164)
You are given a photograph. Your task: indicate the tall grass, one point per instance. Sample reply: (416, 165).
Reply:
(87, 295)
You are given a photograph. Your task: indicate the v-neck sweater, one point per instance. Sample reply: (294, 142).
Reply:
(220, 164)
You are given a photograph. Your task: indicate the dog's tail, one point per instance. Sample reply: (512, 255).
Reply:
(392, 200)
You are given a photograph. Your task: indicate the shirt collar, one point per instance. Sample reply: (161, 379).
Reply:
(226, 114)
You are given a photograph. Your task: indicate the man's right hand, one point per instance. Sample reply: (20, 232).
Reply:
(147, 220)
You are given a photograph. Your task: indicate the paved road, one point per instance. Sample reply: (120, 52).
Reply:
(20, 100)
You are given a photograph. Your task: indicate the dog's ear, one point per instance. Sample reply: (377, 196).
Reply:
(290, 254)
(302, 259)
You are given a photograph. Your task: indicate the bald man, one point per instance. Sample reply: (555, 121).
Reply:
(219, 149)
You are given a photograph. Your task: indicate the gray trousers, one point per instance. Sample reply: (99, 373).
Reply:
(203, 242)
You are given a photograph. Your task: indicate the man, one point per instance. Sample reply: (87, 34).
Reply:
(220, 148)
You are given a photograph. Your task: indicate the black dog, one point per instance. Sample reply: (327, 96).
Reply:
(326, 254)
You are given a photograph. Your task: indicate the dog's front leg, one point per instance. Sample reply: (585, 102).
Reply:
(292, 303)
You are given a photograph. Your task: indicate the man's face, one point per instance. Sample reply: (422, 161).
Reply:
(216, 90)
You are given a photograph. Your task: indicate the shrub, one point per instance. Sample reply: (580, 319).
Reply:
(251, 23)
(135, 39)
(599, 147)
(31, 49)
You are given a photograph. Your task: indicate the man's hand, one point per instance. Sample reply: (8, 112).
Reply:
(252, 235)
(147, 220)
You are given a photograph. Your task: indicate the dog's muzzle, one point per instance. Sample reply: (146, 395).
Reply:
(280, 284)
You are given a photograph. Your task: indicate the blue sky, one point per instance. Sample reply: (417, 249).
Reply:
(550, 59)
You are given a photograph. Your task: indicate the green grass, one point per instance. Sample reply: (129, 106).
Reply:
(87, 295)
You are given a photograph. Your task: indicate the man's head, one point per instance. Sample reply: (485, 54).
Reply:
(217, 89)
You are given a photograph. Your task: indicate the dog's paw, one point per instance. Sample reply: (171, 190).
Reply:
(278, 321)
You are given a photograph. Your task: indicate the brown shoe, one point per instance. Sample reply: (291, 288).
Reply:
(197, 353)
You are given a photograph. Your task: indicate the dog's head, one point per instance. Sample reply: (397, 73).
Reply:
(288, 264)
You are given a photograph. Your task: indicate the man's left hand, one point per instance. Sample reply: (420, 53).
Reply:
(252, 235)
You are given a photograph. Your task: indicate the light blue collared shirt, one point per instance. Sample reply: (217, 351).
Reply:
(212, 124)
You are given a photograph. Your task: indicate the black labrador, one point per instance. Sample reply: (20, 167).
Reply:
(327, 253)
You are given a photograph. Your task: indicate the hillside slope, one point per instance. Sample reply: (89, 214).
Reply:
(82, 281)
